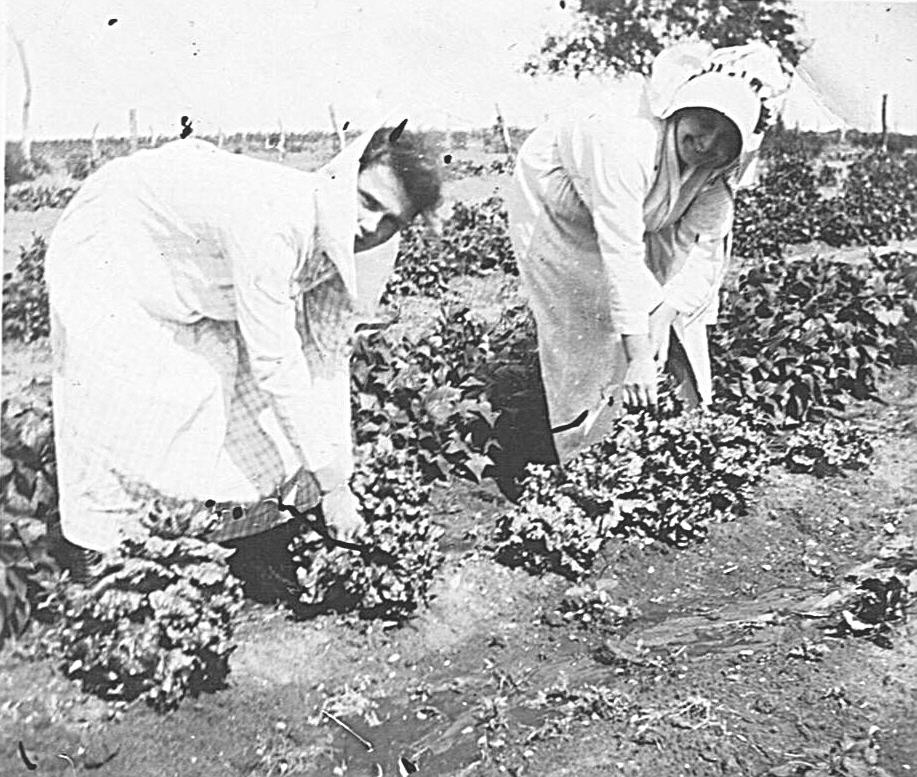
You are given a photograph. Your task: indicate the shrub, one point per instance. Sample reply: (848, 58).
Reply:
(878, 203)
(28, 500)
(25, 295)
(158, 622)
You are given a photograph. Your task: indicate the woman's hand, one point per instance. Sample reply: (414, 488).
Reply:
(341, 511)
(660, 329)
(642, 376)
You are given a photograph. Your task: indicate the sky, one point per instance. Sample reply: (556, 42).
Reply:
(242, 65)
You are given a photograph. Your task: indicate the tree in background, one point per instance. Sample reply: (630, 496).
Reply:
(625, 35)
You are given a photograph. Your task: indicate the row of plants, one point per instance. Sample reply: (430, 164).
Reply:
(797, 340)
(426, 407)
(474, 240)
(468, 168)
(26, 316)
(28, 197)
(877, 203)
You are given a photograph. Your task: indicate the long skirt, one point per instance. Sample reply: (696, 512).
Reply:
(582, 357)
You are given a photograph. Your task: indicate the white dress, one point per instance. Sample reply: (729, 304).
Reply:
(182, 281)
(597, 253)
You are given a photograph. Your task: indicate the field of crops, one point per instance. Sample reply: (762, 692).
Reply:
(719, 592)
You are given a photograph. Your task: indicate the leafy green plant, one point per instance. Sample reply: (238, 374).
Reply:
(26, 569)
(827, 449)
(157, 621)
(17, 170)
(780, 210)
(391, 576)
(420, 391)
(37, 197)
(474, 241)
(796, 337)
(28, 472)
(26, 316)
(661, 478)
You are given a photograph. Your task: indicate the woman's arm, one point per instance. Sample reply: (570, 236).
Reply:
(613, 181)
(699, 237)
(311, 412)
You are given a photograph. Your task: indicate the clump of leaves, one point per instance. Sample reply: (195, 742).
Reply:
(17, 169)
(28, 472)
(797, 337)
(575, 706)
(28, 498)
(660, 478)
(25, 295)
(547, 530)
(474, 241)
(400, 553)
(26, 569)
(827, 449)
(37, 197)
(780, 210)
(157, 621)
(592, 605)
(419, 391)
(79, 165)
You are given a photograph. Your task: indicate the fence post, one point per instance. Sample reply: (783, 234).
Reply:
(341, 136)
(26, 143)
(132, 119)
(504, 132)
(884, 122)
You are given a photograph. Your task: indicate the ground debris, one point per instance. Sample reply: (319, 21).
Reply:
(872, 595)
(850, 757)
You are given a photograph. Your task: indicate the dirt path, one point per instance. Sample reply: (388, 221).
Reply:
(711, 668)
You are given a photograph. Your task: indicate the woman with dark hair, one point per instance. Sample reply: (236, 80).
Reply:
(619, 217)
(202, 303)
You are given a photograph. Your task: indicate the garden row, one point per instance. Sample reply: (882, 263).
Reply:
(459, 397)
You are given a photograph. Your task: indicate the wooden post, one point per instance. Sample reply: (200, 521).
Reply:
(94, 156)
(281, 143)
(26, 143)
(132, 120)
(221, 138)
(342, 138)
(884, 122)
(507, 142)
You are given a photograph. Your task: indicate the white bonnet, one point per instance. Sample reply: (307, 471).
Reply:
(737, 81)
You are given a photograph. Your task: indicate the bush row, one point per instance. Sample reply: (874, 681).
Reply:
(474, 241)
(36, 197)
(877, 203)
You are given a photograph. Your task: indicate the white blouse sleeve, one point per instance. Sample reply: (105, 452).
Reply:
(267, 318)
(613, 182)
(700, 237)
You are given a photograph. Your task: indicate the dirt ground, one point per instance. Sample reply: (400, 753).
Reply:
(722, 660)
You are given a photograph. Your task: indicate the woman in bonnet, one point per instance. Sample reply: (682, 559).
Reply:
(620, 216)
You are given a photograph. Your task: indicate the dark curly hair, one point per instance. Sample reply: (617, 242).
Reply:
(413, 161)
